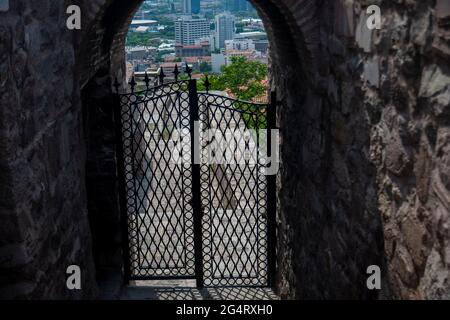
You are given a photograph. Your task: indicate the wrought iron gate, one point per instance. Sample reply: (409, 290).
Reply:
(184, 218)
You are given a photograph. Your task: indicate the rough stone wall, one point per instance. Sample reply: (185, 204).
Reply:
(365, 152)
(408, 103)
(365, 145)
(329, 227)
(43, 215)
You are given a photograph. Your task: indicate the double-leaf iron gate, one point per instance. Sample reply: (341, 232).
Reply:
(183, 215)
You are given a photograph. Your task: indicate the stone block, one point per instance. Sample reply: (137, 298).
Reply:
(403, 266)
(436, 280)
(420, 29)
(415, 237)
(435, 87)
(397, 161)
(423, 173)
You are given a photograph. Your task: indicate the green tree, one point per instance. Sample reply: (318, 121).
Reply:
(244, 77)
(142, 39)
(204, 67)
(214, 80)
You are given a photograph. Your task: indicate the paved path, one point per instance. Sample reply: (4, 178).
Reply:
(179, 290)
(186, 293)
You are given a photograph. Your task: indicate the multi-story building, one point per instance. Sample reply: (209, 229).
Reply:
(187, 6)
(169, 67)
(239, 44)
(225, 29)
(191, 7)
(262, 46)
(196, 50)
(189, 30)
(197, 62)
(139, 53)
(237, 5)
(195, 4)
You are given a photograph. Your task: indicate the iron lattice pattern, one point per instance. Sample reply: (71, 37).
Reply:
(233, 193)
(158, 191)
(221, 241)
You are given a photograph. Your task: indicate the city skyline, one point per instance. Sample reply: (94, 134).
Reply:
(207, 41)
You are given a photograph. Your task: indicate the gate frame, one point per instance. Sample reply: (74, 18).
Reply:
(196, 189)
(196, 192)
(121, 185)
(271, 195)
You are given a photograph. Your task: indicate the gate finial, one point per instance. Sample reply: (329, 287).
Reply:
(161, 76)
(176, 72)
(132, 84)
(147, 80)
(188, 71)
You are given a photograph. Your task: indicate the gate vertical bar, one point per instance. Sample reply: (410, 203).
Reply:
(196, 200)
(121, 184)
(271, 193)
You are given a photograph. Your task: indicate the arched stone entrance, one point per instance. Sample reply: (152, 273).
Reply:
(364, 128)
(109, 28)
(312, 163)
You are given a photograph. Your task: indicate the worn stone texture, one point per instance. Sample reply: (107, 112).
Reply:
(44, 227)
(365, 142)
(414, 119)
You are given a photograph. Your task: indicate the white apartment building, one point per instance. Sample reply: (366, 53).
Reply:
(240, 45)
(225, 29)
(189, 30)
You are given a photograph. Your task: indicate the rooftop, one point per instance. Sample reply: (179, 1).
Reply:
(140, 22)
(197, 59)
(171, 64)
(251, 34)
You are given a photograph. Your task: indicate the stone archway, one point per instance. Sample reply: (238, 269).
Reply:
(315, 193)
(108, 31)
(301, 62)
(364, 178)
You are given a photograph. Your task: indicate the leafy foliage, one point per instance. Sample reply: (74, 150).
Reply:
(242, 77)
(142, 39)
(204, 67)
